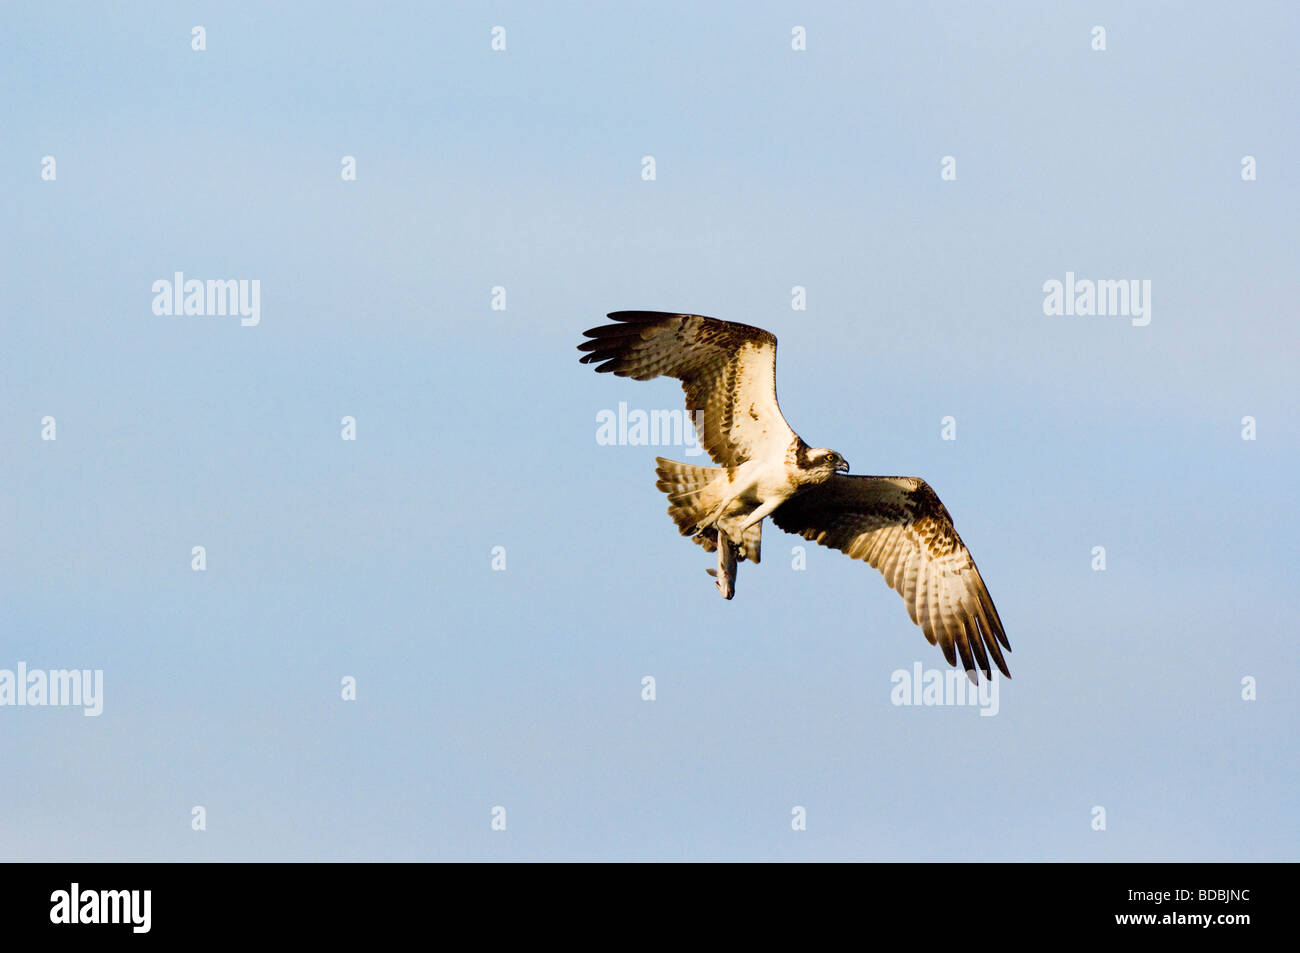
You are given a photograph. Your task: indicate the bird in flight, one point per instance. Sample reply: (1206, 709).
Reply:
(895, 524)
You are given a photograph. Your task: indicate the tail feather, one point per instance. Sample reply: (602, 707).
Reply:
(691, 496)
(693, 493)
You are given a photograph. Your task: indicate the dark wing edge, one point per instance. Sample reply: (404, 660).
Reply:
(706, 355)
(899, 526)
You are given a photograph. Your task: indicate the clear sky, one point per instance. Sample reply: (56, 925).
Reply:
(476, 428)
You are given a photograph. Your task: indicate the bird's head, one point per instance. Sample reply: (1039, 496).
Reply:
(822, 464)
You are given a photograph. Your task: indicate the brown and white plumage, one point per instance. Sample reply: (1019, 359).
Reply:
(899, 526)
(896, 524)
(727, 370)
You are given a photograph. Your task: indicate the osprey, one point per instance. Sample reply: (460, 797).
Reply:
(896, 524)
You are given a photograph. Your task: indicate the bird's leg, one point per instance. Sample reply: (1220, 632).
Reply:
(711, 521)
(737, 486)
(758, 514)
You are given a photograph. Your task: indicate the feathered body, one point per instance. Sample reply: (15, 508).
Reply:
(896, 524)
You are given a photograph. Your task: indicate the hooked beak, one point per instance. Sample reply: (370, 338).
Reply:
(842, 467)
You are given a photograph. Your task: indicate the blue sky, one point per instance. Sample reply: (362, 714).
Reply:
(476, 428)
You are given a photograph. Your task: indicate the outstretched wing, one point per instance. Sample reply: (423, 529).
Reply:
(898, 525)
(727, 370)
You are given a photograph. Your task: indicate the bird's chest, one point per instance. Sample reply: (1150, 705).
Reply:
(763, 481)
